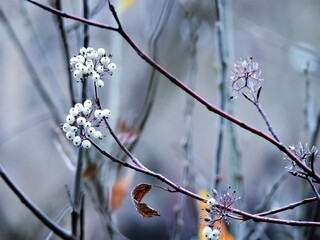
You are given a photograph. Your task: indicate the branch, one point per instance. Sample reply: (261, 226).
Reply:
(181, 85)
(34, 209)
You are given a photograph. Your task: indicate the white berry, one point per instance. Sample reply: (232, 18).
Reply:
(73, 129)
(76, 141)
(70, 135)
(106, 113)
(95, 77)
(73, 111)
(87, 125)
(86, 144)
(206, 231)
(79, 107)
(97, 134)
(105, 60)
(112, 67)
(87, 103)
(99, 69)
(70, 119)
(101, 51)
(86, 110)
(66, 127)
(91, 131)
(211, 202)
(99, 83)
(81, 120)
(98, 113)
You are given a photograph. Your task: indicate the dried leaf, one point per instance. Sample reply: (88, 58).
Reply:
(119, 190)
(145, 211)
(140, 191)
(138, 194)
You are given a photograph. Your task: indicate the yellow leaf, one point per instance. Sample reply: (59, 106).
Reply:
(125, 4)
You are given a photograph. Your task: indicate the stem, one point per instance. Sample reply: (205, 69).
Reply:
(34, 209)
(65, 50)
(77, 195)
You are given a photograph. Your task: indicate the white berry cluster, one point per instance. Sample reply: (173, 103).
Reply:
(82, 122)
(208, 232)
(92, 63)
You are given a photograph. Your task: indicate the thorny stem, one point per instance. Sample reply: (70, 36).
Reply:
(181, 85)
(34, 209)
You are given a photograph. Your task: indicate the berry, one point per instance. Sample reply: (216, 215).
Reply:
(86, 144)
(76, 141)
(112, 67)
(98, 114)
(87, 103)
(66, 127)
(105, 60)
(81, 121)
(100, 83)
(73, 111)
(97, 134)
(70, 119)
(206, 231)
(70, 135)
(106, 113)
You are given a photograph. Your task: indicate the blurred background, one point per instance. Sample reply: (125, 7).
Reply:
(167, 131)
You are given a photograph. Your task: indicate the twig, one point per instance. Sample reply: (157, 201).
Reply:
(34, 209)
(290, 206)
(266, 120)
(313, 187)
(77, 195)
(86, 39)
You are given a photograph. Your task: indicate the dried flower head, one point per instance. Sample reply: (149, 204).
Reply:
(306, 156)
(246, 75)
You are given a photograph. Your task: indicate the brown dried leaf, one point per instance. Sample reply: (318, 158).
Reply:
(145, 211)
(140, 191)
(138, 194)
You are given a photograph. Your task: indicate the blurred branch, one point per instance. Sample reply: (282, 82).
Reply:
(86, 40)
(34, 209)
(222, 68)
(65, 50)
(31, 68)
(188, 177)
(77, 197)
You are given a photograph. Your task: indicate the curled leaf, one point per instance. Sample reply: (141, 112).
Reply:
(137, 195)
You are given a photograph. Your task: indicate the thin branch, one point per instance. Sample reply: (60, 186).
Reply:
(86, 40)
(65, 44)
(287, 207)
(59, 231)
(181, 85)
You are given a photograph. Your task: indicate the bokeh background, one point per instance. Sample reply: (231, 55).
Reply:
(281, 35)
